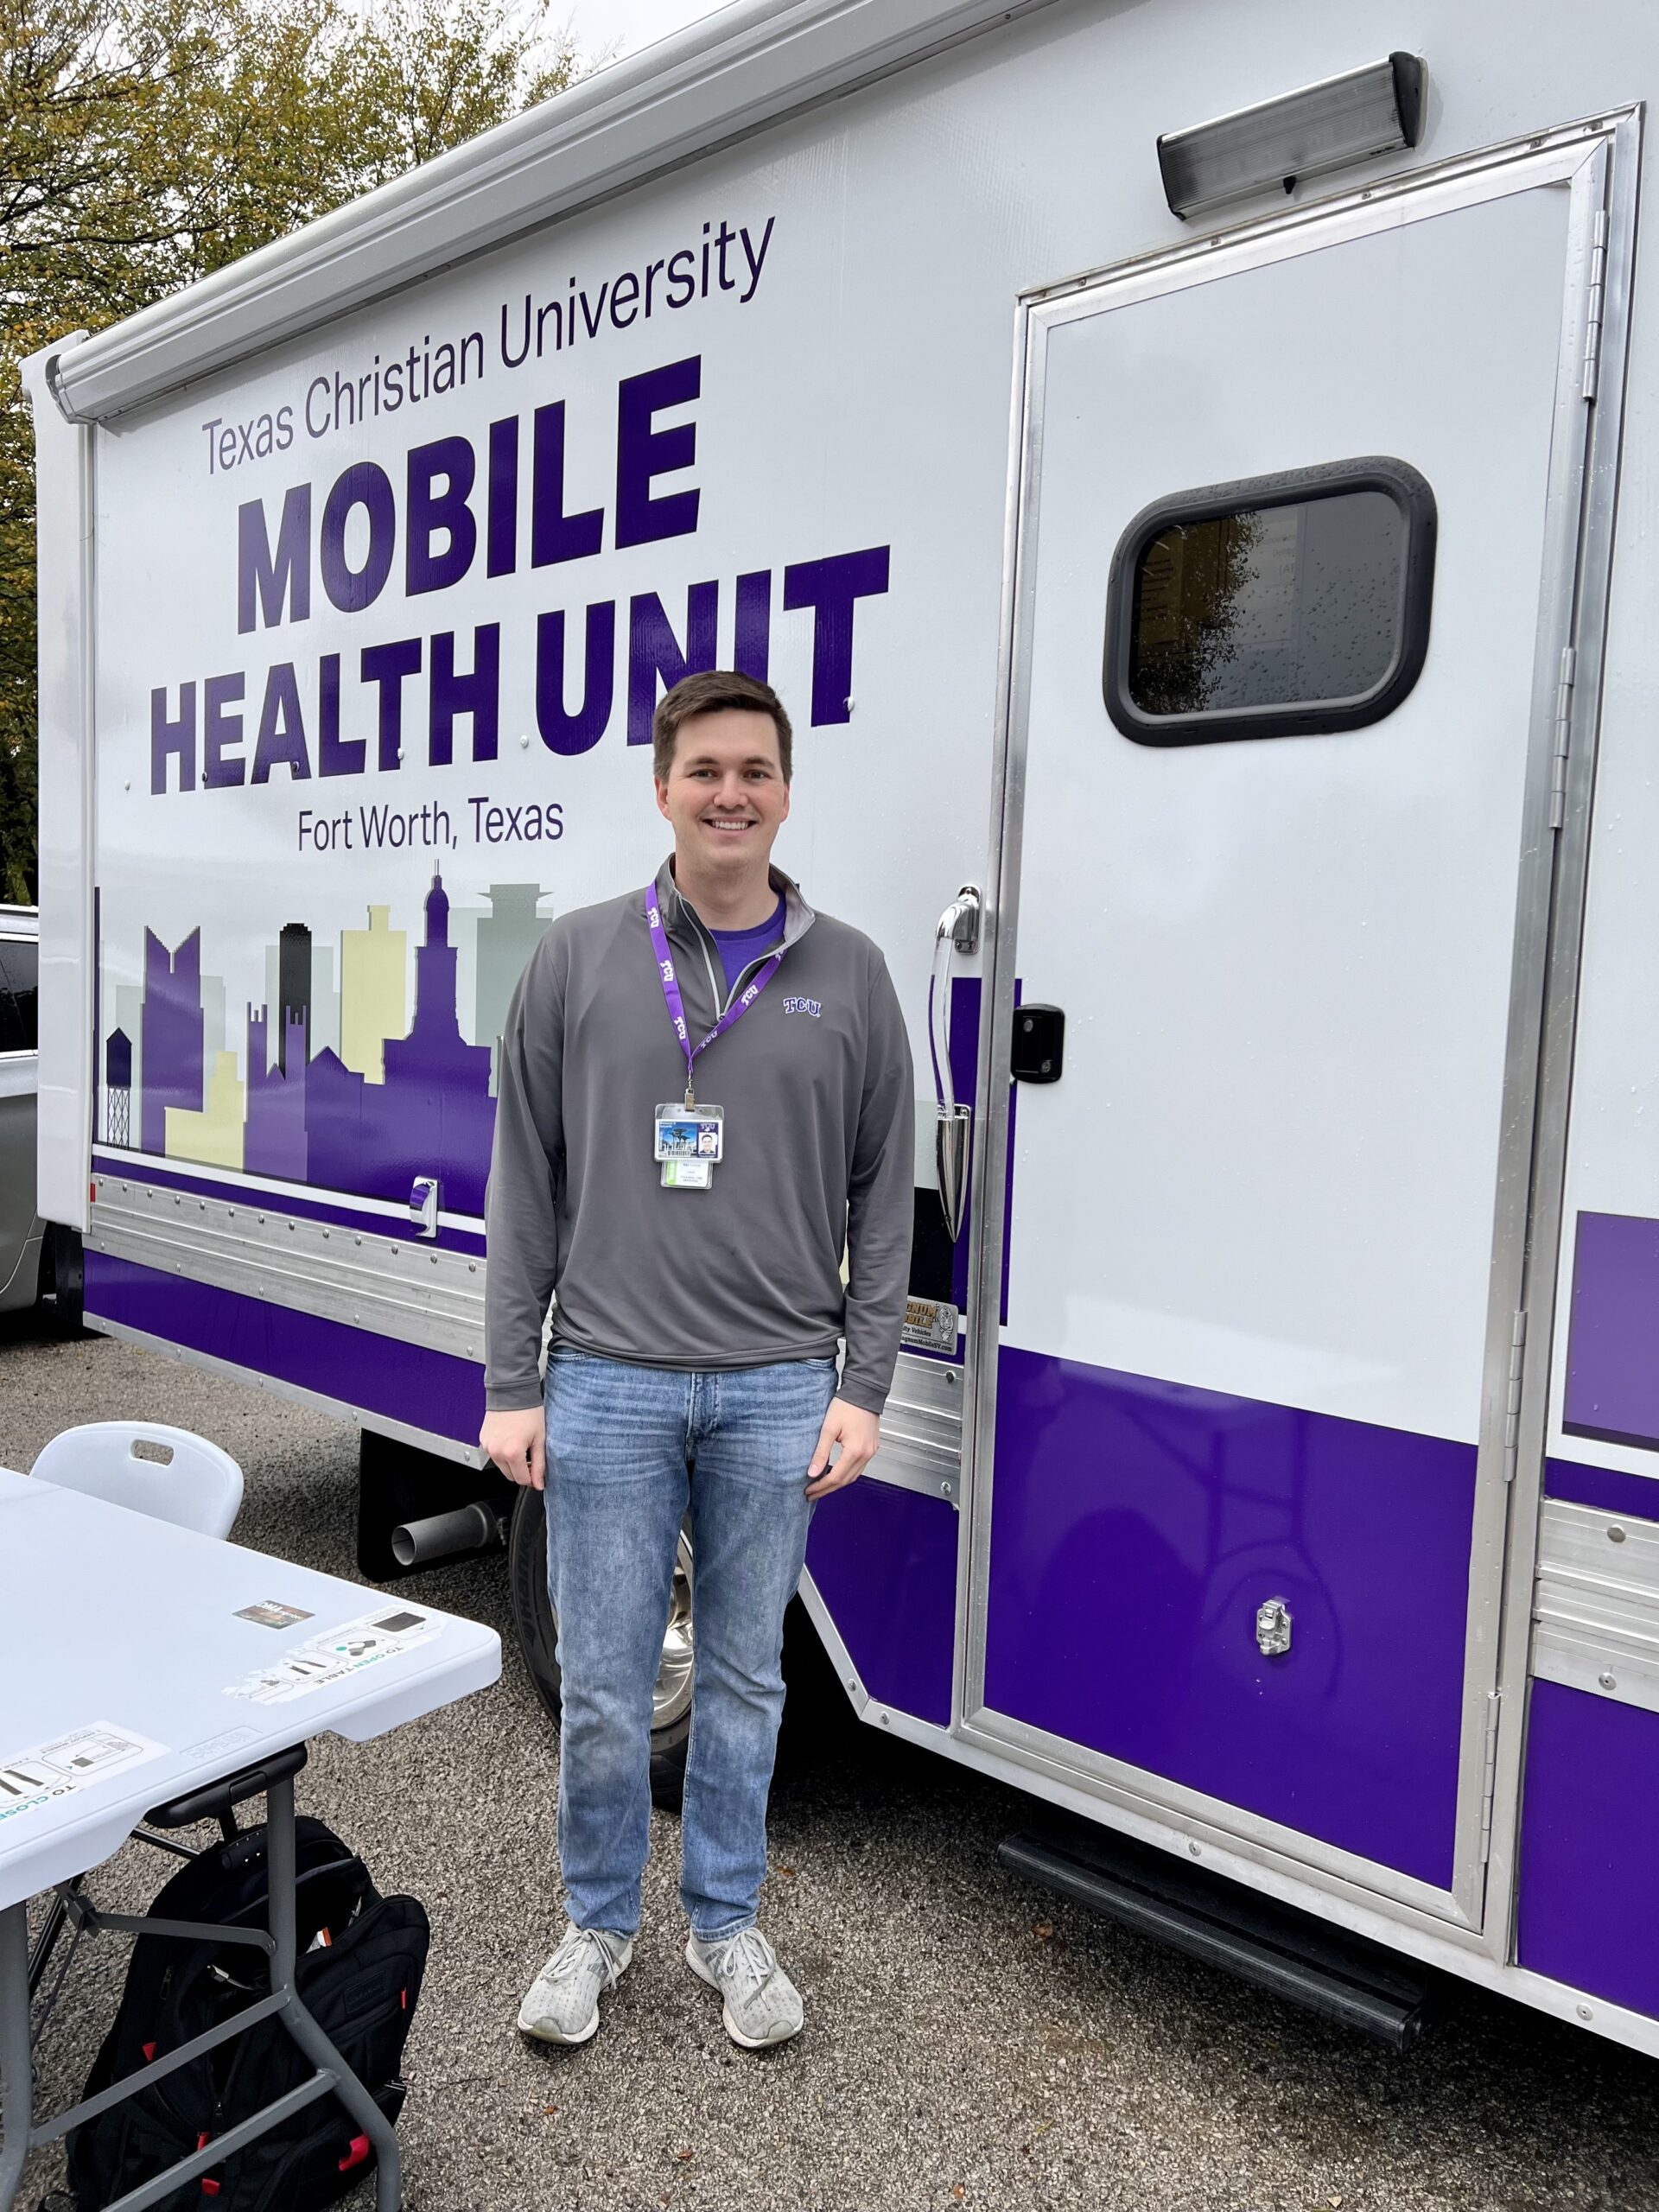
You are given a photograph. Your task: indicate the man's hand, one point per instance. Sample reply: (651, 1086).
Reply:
(517, 1444)
(858, 1435)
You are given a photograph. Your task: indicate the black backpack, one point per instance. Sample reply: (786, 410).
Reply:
(361, 1957)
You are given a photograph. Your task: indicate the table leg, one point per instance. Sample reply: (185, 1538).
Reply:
(17, 2058)
(280, 1850)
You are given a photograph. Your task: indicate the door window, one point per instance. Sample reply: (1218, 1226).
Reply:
(1284, 605)
(19, 1003)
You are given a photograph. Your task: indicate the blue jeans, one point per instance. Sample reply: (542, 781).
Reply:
(627, 1449)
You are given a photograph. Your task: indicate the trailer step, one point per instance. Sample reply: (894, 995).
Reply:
(1323, 1969)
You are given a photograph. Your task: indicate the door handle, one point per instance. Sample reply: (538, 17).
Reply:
(958, 931)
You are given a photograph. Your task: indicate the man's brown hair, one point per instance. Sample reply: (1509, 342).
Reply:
(716, 691)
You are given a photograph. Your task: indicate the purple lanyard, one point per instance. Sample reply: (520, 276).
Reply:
(669, 981)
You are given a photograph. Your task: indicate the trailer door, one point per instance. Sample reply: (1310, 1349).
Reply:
(1292, 591)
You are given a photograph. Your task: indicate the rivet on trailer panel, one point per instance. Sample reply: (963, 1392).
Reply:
(1615, 1535)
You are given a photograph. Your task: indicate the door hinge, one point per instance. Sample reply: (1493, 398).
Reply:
(1563, 738)
(1489, 1774)
(1512, 1396)
(1593, 307)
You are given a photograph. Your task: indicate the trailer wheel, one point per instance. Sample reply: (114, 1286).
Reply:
(63, 1279)
(532, 1613)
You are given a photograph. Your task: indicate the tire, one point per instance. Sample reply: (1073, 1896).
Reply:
(537, 1633)
(63, 1279)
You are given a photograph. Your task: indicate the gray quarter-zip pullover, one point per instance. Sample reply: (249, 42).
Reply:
(815, 1082)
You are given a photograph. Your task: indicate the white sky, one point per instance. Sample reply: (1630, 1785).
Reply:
(631, 23)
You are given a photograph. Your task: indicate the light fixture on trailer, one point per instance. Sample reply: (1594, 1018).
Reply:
(1375, 109)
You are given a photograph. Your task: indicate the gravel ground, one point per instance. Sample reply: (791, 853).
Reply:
(968, 2041)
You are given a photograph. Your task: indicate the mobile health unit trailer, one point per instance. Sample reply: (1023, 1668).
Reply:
(1188, 547)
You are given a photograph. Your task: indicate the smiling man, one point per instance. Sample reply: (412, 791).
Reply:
(705, 1103)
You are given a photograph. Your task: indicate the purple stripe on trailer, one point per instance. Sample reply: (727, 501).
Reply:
(406, 1382)
(1612, 1359)
(885, 1563)
(1589, 1883)
(1636, 1496)
(122, 1167)
(1136, 1528)
(1007, 1177)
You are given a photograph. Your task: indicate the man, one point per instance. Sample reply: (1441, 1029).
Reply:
(705, 1099)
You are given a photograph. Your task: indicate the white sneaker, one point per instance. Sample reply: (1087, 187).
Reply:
(763, 2005)
(562, 2003)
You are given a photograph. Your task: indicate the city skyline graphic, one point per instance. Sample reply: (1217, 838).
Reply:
(340, 1084)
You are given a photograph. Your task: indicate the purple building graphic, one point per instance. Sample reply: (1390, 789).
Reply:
(117, 1088)
(274, 1140)
(171, 1036)
(322, 1123)
(315, 1120)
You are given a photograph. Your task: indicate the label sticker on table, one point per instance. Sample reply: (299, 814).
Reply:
(67, 1763)
(336, 1653)
(271, 1612)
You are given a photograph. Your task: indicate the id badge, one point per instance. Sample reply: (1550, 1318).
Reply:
(689, 1144)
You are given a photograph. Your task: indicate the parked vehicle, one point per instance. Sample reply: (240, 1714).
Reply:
(39, 1261)
(21, 1228)
(1191, 546)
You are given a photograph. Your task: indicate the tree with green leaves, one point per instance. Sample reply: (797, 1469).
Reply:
(146, 143)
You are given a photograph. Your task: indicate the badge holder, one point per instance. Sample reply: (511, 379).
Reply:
(690, 1141)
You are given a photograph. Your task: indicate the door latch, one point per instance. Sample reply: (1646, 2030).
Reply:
(1038, 1050)
(1273, 1629)
(423, 1205)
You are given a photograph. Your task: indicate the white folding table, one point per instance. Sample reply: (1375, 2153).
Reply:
(140, 1663)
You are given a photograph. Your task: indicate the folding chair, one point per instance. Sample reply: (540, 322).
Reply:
(172, 1475)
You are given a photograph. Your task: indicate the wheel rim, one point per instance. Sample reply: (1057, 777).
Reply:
(672, 1693)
